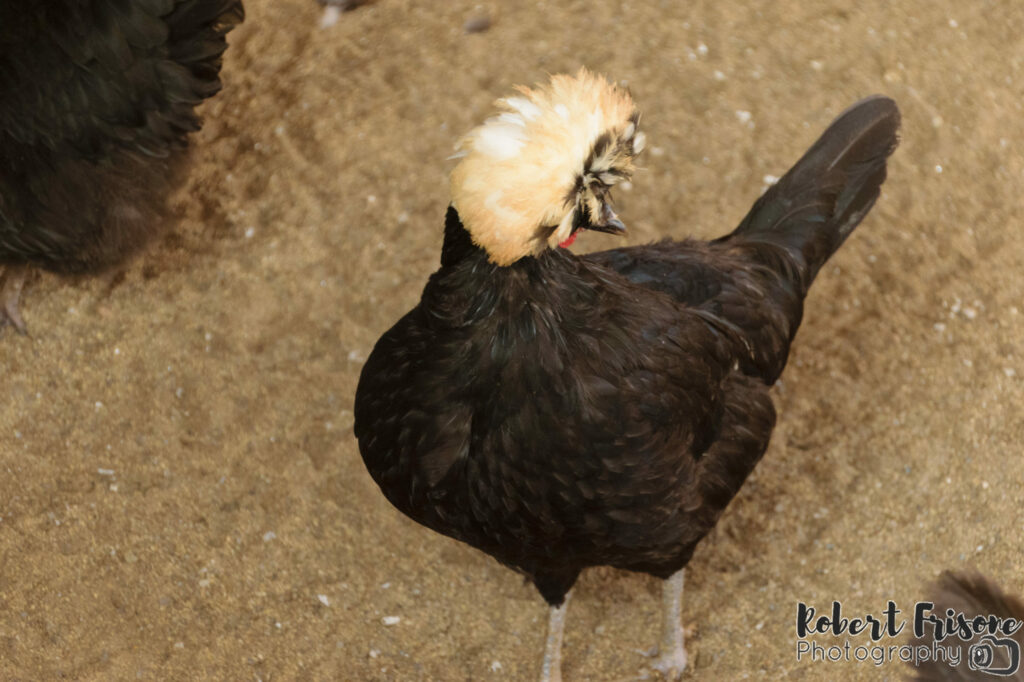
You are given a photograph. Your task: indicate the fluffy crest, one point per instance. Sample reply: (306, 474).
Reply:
(531, 175)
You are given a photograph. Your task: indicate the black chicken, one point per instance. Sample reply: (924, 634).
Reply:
(972, 595)
(96, 98)
(560, 411)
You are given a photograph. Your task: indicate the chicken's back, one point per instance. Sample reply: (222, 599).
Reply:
(755, 278)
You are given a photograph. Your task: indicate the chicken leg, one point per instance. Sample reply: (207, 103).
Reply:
(10, 293)
(551, 670)
(671, 653)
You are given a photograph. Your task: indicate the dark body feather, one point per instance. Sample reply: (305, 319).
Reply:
(96, 98)
(566, 411)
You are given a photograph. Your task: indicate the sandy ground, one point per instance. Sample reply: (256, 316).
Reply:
(181, 494)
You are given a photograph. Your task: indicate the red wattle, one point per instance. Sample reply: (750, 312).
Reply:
(568, 242)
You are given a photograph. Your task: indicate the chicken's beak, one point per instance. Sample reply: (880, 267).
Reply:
(609, 222)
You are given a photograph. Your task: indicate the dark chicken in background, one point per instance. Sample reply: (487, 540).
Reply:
(972, 595)
(560, 411)
(97, 98)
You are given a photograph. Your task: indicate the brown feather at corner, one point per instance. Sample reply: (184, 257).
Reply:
(971, 594)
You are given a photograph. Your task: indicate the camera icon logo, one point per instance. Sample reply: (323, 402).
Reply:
(994, 656)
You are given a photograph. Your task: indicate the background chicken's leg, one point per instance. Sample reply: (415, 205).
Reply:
(10, 293)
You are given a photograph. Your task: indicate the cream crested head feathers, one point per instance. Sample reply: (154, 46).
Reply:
(542, 168)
